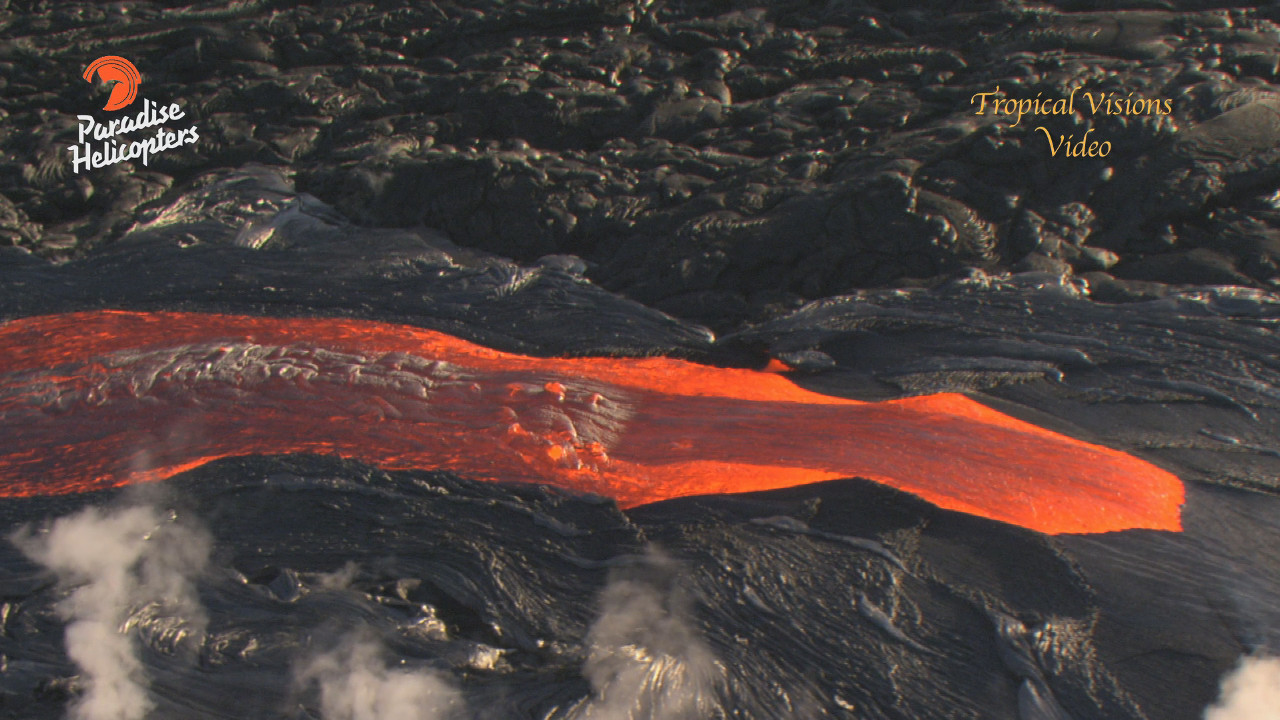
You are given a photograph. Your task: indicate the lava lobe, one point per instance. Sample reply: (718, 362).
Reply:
(106, 398)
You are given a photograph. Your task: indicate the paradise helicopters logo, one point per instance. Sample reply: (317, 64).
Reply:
(115, 147)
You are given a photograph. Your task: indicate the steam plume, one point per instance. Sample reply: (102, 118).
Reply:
(118, 562)
(355, 683)
(646, 660)
(1249, 692)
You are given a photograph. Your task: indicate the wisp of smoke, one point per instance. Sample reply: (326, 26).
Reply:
(355, 683)
(646, 660)
(118, 562)
(1249, 692)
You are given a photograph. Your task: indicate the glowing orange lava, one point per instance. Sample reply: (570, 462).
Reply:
(99, 399)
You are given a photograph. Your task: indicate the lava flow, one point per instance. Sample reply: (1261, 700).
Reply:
(99, 399)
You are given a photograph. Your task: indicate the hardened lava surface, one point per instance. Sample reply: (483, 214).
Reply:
(354, 336)
(909, 611)
(510, 590)
(709, 159)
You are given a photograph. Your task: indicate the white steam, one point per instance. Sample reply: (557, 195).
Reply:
(130, 572)
(646, 660)
(119, 563)
(356, 683)
(1249, 692)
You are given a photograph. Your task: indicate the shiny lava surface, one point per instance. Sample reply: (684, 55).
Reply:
(105, 398)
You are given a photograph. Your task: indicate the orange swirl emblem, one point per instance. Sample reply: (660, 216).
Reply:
(125, 75)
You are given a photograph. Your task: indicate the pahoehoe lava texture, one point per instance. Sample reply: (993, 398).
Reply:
(712, 160)
(801, 182)
(840, 600)
(917, 612)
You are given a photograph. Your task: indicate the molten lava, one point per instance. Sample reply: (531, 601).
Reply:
(100, 399)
